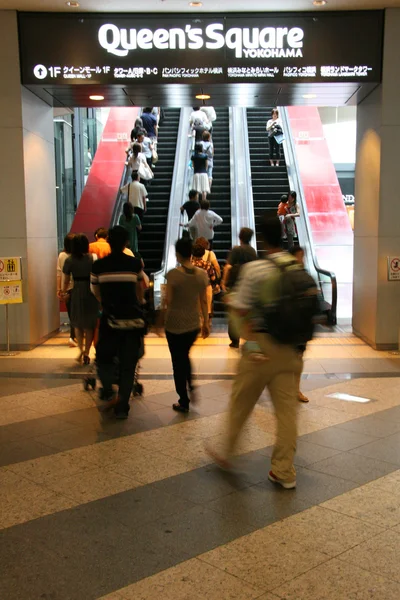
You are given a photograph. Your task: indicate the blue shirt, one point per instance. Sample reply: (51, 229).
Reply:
(149, 123)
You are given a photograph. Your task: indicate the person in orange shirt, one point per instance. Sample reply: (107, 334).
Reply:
(100, 247)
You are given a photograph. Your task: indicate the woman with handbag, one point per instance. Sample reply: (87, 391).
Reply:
(138, 163)
(274, 128)
(205, 259)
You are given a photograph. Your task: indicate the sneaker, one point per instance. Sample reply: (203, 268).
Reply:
(72, 343)
(302, 398)
(288, 485)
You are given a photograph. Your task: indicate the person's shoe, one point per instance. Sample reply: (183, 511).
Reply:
(288, 485)
(86, 360)
(105, 396)
(302, 397)
(121, 416)
(179, 408)
(223, 463)
(72, 343)
(234, 345)
(277, 164)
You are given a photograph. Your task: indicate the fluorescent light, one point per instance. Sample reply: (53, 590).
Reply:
(203, 96)
(309, 96)
(349, 398)
(96, 97)
(72, 4)
(195, 4)
(320, 2)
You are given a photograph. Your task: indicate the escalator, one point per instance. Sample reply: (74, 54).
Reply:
(152, 236)
(221, 193)
(269, 183)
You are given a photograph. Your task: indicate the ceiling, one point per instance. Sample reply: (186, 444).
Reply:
(228, 94)
(183, 5)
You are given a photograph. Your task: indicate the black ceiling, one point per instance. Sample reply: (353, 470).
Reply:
(230, 94)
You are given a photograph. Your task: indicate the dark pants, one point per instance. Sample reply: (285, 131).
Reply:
(123, 345)
(274, 149)
(232, 333)
(179, 346)
(139, 211)
(68, 305)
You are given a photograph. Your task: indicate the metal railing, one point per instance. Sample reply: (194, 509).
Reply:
(177, 197)
(326, 279)
(242, 206)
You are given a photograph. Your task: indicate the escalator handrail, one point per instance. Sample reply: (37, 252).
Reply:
(296, 184)
(119, 200)
(177, 194)
(242, 205)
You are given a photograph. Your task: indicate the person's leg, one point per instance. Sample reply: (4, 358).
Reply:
(128, 355)
(71, 327)
(290, 240)
(106, 352)
(248, 385)
(271, 151)
(79, 338)
(233, 336)
(283, 392)
(89, 337)
(189, 341)
(176, 344)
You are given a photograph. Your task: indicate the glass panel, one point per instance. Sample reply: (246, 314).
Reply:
(65, 184)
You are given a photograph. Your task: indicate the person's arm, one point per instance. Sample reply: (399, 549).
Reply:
(66, 277)
(225, 276)
(269, 124)
(94, 286)
(138, 223)
(125, 189)
(217, 220)
(139, 288)
(294, 215)
(215, 263)
(205, 329)
(59, 277)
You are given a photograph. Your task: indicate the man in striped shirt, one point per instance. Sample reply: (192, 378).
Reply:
(115, 281)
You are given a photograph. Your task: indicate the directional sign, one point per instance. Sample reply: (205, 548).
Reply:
(10, 269)
(393, 268)
(11, 293)
(40, 72)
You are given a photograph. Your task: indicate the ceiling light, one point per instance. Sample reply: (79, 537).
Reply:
(203, 96)
(195, 4)
(309, 96)
(72, 4)
(320, 2)
(96, 97)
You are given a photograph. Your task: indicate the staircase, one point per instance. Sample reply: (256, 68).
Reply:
(152, 236)
(268, 183)
(220, 197)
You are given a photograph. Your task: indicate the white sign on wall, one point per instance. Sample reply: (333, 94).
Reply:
(393, 268)
(10, 269)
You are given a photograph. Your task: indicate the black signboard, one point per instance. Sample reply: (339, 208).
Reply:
(166, 48)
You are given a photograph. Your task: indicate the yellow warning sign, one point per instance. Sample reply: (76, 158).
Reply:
(10, 269)
(11, 292)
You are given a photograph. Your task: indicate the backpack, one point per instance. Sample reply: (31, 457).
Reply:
(290, 319)
(209, 268)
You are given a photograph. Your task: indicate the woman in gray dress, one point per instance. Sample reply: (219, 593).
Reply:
(84, 306)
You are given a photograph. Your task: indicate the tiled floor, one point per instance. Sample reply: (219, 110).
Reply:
(92, 508)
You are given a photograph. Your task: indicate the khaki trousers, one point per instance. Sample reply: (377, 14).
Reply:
(280, 374)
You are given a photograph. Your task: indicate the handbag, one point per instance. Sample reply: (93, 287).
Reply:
(279, 138)
(154, 156)
(145, 172)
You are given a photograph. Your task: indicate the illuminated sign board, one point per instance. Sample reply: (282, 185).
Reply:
(101, 49)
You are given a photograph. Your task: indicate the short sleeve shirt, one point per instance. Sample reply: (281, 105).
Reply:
(117, 275)
(239, 256)
(183, 313)
(199, 163)
(149, 123)
(191, 208)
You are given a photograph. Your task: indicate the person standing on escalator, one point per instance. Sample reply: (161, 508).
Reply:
(274, 128)
(292, 213)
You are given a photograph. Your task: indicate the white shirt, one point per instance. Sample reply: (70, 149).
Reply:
(137, 193)
(210, 112)
(274, 122)
(204, 221)
(62, 257)
(146, 147)
(198, 115)
(135, 162)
